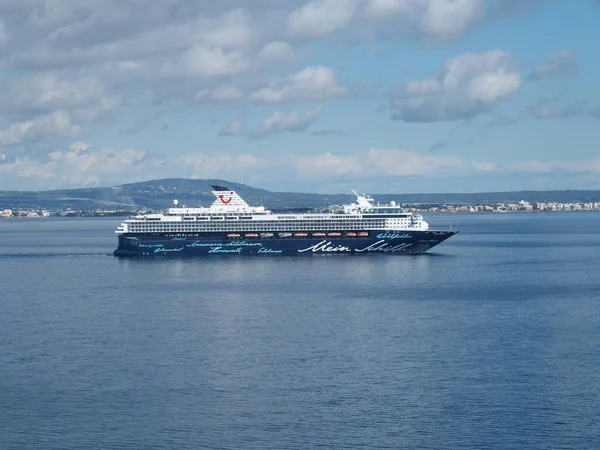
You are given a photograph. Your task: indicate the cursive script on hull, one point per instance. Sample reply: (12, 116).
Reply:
(380, 246)
(389, 235)
(237, 251)
(269, 251)
(385, 247)
(326, 246)
(167, 250)
(227, 244)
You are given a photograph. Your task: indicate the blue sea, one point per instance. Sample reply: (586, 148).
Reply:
(491, 341)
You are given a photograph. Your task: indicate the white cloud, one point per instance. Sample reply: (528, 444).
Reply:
(3, 33)
(443, 19)
(276, 50)
(407, 163)
(312, 83)
(398, 164)
(320, 17)
(96, 33)
(111, 30)
(206, 61)
(51, 91)
(446, 18)
(326, 165)
(437, 18)
(235, 128)
(55, 34)
(559, 64)
(468, 85)
(75, 64)
(485, 166)
(315, 83)
(76, 166)
(512, 8)
(547, 111)
(232, 29)
(276, 123)
(105, 55)
(534, 167)
(81, 165)
(220, 93)
(386, 9)
(200, 165)
(57, 123)
(280, 122)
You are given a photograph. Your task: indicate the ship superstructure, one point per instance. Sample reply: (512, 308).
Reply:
(229, 223)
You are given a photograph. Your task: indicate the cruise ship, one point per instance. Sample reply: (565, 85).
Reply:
(229, 226)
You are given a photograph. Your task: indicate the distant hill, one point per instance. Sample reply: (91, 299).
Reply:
(161, 193)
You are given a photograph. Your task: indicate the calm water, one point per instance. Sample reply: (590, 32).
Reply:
(493, 341)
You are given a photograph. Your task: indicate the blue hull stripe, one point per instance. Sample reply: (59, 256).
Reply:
(392, 242)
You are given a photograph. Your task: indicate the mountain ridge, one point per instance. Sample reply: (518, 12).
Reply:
(160, 193)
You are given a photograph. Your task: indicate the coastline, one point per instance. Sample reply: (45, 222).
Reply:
(88, 214)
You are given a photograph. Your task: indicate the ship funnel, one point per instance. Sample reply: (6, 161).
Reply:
(227, 199)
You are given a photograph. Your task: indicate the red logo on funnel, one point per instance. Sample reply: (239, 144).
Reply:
(222, 198)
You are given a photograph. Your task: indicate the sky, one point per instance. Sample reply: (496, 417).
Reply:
(324, 96)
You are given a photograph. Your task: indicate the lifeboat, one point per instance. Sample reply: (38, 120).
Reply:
(301, 234)
(363, 233)
(334, 233)
(285, 234)
(266, 234)
(351, 233)
(233, 234)
(253, 235)
(318, 234)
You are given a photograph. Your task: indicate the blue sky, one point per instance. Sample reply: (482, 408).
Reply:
(289, 95)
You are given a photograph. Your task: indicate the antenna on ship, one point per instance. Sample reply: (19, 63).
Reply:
(175, 202)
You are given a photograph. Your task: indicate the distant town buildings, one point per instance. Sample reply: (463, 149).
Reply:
(520, 206)
(497, 207)
(33, 212)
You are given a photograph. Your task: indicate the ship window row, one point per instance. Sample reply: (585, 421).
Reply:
(386, 210)
(253, 230)
(267, 228)
(235, 217)
(293, 223)
(387, 216)
(262, 227)
(277, 225)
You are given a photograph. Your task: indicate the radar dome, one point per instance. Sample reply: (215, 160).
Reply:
(175, 202)
(393, 203)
